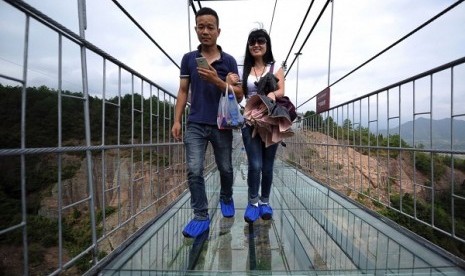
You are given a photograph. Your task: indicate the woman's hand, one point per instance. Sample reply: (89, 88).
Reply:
(272, 96)
(233, 79)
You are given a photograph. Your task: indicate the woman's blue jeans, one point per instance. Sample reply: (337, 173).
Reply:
(261, 161)
(196, 141)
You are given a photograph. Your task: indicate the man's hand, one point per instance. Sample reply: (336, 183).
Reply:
(209, 74)
(176, 131)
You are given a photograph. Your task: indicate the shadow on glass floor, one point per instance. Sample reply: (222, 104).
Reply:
(314, 231)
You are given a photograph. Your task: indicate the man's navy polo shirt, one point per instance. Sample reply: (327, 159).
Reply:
(204, 95)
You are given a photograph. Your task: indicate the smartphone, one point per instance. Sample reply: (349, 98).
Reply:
(202, 62)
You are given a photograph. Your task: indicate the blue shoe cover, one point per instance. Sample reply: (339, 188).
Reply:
(227, 208)
(195, 228)
(252, 213)
(266, 212)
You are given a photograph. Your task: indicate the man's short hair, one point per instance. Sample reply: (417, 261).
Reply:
(208, 11)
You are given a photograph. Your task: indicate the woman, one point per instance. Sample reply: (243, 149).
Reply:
(258, 61)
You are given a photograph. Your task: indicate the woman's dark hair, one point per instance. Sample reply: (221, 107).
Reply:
(208, 11)
(249, 61)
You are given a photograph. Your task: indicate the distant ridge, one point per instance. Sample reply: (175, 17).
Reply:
(440, 130)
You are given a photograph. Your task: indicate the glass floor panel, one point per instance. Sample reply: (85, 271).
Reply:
(314, 231)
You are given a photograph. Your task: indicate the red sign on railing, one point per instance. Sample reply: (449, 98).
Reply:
(322, 100)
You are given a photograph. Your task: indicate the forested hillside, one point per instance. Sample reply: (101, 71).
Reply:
(42, 131)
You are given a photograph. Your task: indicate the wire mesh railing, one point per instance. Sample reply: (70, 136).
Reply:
(397, 150)
(84, 172)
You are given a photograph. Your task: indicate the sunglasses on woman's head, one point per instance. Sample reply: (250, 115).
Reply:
(259, 40)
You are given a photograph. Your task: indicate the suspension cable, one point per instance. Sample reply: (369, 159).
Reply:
(401, 39)
(298, 32)
(272, 17)
(392, 45)
(309, 33)
(199, 3)
(145, 32)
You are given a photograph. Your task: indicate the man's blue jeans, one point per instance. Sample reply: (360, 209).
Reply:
(261, 161)
(196, 142)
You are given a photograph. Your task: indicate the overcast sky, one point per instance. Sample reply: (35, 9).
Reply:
(361, 29)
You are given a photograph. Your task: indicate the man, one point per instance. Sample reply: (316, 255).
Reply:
(206, 86)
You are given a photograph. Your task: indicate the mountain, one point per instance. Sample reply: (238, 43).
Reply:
(440, 132)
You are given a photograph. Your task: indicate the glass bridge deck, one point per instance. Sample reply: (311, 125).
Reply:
(314, 231)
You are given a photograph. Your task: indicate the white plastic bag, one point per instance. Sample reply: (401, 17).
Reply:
(229, 114)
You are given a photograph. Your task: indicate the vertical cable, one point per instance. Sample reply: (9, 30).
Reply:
(189, 2)
(452, 171)
(23, 146)
(60, 155)
(297, 79)
(330, 40)
(85, 91)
